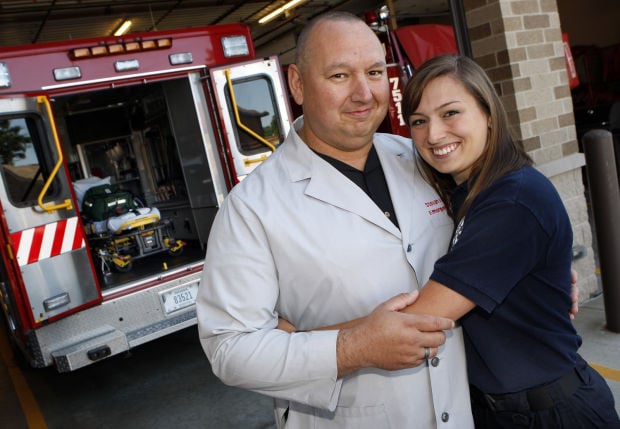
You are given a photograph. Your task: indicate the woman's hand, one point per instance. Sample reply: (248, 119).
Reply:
(574, 294)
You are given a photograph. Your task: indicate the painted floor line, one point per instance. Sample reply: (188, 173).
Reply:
(606, 372)
(29, 405)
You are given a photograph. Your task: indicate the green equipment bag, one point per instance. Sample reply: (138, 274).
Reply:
(104, 201)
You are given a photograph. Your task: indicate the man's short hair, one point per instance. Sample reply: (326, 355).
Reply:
(304, 35)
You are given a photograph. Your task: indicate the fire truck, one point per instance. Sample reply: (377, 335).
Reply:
(406, 48)
(115, 154)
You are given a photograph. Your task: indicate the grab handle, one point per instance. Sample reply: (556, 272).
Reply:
(238, 118)
(67, 204)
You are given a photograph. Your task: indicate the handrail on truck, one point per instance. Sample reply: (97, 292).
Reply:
(67, 204)
(238, 118)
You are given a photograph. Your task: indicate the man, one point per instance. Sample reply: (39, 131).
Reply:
(333, 224)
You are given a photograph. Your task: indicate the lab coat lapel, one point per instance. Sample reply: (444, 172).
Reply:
(332, 187)
(400, 172)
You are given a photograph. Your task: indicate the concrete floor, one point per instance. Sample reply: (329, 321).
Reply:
(163, 384)
(601, 347)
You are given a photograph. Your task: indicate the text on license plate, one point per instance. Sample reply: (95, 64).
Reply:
(179, 298)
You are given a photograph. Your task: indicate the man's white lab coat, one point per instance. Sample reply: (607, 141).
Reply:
(298, 239)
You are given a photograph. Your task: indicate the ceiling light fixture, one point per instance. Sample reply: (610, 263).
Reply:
(265, 19)
(124, 28)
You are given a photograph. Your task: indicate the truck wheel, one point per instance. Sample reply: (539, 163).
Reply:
(8, 324)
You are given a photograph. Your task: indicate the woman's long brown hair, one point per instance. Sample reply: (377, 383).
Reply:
(502, 153)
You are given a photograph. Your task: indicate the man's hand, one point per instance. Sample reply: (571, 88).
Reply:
(389, 339)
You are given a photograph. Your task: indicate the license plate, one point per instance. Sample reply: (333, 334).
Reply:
(180, 297)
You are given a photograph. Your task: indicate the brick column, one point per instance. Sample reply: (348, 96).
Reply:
(519, 44)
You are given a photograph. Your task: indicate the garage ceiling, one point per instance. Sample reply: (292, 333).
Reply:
(36, 21)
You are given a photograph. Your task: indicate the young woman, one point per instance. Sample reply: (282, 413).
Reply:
(506, 276)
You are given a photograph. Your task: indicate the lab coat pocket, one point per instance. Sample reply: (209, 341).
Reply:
(368, 417)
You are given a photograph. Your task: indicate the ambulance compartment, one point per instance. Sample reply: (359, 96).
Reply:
(144, 140)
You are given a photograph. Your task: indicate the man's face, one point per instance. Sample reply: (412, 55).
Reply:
(343, 88)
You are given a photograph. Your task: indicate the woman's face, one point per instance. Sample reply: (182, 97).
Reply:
(449, 128)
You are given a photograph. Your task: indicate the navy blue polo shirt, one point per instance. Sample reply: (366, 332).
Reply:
(512, 257)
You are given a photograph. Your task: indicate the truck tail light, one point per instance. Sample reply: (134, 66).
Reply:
(181, 58)
(164, 43)
(97, 51)
(235, 46)
(120, 47)
(126, 65)
(5, 77)
(67, 73)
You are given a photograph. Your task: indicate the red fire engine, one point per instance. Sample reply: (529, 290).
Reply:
(406, 49)
(115, 153)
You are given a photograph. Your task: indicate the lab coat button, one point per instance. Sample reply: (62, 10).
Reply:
(409, 248)
(435, 361)
(445, 417)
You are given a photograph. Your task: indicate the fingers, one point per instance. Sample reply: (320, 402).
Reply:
(430, 353)
(398, 341)
(400, 301)
(432, 340)
(430, 323)
(574, 296)
(573, 276)
(574, 293)
(390, 339)
(420, 354)
(574, 309)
